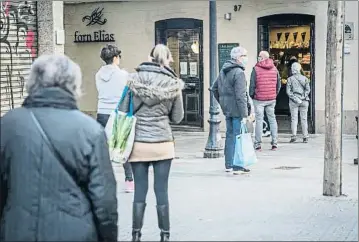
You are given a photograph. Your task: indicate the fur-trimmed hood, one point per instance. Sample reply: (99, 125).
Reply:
(153, 83)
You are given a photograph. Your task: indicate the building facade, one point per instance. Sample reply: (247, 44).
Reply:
(285, 29)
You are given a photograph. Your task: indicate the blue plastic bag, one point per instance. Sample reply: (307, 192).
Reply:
(244, 154)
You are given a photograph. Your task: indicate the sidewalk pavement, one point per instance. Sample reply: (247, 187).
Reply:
(268, 204)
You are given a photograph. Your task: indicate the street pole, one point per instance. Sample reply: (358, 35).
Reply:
(213, 147)
(357, 136)
(332, 184)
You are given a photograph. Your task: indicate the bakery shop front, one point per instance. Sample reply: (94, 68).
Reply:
(289, 38)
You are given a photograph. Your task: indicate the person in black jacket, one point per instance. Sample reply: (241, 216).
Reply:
(56, 178)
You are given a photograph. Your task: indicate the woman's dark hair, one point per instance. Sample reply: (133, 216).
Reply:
(108, 52)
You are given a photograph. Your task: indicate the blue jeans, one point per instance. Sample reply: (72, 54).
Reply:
(268, 107)
(102, 119)
(233, 128)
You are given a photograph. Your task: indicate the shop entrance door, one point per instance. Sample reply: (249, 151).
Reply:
(285, 36)
(184, 39)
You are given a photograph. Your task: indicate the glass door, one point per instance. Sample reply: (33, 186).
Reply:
(184, 37)
(185, 48)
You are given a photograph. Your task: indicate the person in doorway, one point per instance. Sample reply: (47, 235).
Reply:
(110, 83)
(56, 178)
(230, 90)
(298, 89)
(287, 71)
(264, 87)
(157, 99)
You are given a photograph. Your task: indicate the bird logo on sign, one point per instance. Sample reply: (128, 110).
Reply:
(95, 17)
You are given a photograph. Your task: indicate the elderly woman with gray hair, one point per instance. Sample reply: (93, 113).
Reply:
(56, 178)
(298, 90)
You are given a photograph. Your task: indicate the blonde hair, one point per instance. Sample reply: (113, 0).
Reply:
(161, 54)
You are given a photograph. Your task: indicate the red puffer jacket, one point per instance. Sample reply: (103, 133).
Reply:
(266, 81)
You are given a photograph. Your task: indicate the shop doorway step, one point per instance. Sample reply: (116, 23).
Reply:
(284, 124)
(186, 128)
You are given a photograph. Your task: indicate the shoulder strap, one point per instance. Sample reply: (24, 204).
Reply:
(51, 147)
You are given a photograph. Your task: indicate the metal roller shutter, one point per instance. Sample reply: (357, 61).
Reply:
(18, 49)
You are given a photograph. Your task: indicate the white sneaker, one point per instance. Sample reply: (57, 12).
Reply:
(228, 170)
(266, 134)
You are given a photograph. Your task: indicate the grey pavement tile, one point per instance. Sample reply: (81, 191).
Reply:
(208, 204)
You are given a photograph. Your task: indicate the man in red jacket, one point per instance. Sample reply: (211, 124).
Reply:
(264, 87)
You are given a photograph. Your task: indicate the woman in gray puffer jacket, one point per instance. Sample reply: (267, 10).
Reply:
(157, 99)
(298, 89)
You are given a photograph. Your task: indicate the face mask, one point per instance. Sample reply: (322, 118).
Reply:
(244, 60)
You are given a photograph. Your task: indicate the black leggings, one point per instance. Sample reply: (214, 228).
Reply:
(161, 170)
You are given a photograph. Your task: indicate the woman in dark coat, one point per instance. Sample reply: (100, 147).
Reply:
(56, 178)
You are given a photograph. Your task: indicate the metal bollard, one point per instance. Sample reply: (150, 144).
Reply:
(356, 160)
(356, 119)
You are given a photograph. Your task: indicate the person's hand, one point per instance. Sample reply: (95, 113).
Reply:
(244, 120)
(251, 118)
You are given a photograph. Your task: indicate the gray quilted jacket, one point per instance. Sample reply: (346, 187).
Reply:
(157, 98)
(298, 88)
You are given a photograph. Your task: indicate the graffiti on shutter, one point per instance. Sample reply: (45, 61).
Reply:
(18, 49)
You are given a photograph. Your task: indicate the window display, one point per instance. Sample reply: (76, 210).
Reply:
(286, 46)
(286, 43)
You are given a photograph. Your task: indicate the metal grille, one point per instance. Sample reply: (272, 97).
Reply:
(18, 49)
(287, 168)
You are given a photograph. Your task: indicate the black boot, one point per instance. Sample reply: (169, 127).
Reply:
(138, 212)
(163, 215)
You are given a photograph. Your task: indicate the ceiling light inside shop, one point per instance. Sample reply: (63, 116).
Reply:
(195, 47)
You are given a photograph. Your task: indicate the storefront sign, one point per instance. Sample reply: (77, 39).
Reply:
(96, 36)
(96, 17)
(349, 31)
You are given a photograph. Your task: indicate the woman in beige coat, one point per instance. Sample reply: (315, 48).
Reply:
(157, 98)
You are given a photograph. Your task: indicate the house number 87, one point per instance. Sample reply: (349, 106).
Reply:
(237, 8)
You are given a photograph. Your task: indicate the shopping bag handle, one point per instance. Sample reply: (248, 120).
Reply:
(130, 109)
(125, 90)
(244, 128)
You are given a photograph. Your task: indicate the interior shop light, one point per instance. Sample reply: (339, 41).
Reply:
(195, 47)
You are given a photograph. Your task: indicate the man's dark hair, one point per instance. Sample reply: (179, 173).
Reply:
(108, 52)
